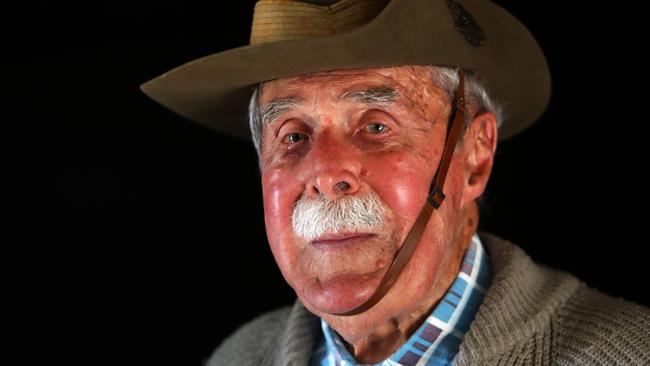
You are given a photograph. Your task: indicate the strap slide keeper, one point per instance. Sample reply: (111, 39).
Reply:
(436, 197)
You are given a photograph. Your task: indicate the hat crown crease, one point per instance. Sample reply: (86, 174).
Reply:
(280, 20)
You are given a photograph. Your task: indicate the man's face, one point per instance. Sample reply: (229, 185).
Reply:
(344, 136)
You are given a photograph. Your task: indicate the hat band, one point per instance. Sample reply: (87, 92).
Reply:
(281, 20)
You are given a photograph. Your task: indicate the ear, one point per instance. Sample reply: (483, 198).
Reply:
(479, 145)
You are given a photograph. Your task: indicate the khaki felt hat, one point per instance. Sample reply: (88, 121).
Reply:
(291, 38)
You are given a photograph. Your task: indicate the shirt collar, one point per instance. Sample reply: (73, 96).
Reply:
(438, 338)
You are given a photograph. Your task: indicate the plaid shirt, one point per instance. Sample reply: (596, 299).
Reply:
(437, 340)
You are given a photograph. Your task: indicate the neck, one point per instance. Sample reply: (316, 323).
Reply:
(388, 337)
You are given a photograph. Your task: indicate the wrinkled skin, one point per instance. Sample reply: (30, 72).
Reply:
(336, 144)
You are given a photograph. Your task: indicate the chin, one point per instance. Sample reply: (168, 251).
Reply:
(340, 293)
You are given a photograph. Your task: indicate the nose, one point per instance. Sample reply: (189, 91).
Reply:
(335, 183)
(335, 169)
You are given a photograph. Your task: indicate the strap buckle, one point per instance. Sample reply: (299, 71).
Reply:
(436, 197)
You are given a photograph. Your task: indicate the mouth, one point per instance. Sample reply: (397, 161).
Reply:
(340, 240)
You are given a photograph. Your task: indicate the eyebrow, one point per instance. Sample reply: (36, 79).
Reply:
(381, 96)
(273, 109)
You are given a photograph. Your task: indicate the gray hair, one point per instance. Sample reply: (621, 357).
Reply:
(445, 78)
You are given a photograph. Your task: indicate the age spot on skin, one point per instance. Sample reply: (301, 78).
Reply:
(380, 264)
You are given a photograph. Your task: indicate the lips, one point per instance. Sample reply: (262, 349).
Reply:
(340, 240)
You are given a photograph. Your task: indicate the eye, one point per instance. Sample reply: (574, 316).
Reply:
(376, 128)
(293, 138)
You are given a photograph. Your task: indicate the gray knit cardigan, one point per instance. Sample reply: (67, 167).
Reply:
(531, 315)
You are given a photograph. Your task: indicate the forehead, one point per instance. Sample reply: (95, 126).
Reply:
(412, 82)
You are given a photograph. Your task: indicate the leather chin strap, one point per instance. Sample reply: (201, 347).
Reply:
(434, 200)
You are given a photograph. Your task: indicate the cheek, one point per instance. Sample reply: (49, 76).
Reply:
(402, 181)
(280, 191)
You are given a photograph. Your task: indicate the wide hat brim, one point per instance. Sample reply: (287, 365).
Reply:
(215, 90)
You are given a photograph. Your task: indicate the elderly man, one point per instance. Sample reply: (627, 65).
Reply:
(376, 125)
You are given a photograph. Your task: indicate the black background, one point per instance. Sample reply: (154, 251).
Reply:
(132, 236)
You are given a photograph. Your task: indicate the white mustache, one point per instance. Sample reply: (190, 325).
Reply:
(312, 218)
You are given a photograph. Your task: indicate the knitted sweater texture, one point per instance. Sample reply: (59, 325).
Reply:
(531, 315)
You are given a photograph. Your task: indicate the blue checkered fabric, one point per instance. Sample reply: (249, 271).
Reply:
(437, 340)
